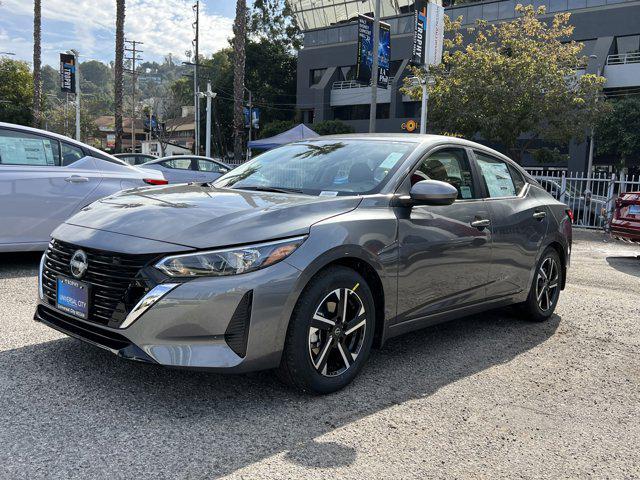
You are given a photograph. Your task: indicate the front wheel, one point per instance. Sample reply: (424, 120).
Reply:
(545, 289)
(330, 333)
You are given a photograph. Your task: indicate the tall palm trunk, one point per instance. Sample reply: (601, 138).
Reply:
(37, 72)
(118, 72)
(240, 32)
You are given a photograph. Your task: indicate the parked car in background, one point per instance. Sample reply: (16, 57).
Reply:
(135, 158)
(189, 168)
(45, 178)
(588, 211)
(625, 224)
(306, 256)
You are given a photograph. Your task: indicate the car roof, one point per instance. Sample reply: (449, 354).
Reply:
(177, 157)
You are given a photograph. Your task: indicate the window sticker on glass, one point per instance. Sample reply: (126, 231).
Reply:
(25, 151)
(465, 191)
(391, 160)
(498, 180)
(327, 193)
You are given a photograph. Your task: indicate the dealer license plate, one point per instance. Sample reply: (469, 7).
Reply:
(73, 297)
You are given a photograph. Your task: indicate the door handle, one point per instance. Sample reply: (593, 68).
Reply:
(76, 179)
(481, 223)
(539, 215)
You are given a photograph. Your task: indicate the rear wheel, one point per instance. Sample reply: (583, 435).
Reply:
(330, 333)
(545, 289)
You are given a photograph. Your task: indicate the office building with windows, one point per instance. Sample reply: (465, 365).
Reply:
(326, 85)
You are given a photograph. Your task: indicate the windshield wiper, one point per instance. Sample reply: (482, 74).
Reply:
(271, 189)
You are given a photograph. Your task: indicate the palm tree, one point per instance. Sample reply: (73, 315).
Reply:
(118, 71)
(37, 73)
(240, 32)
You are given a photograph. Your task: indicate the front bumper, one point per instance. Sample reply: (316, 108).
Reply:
(229, 324)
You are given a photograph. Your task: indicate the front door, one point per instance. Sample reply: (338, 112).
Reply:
(518, 223)
(445, 251)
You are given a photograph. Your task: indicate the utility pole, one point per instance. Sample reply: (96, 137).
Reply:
(425, 98)
(196, 91)
(374, 69)
(76, 57)
(133, 58)
(250, 122)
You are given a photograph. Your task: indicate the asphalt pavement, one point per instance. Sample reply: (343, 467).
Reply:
(489, 396)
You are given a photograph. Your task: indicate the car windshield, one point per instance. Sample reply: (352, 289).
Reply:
(323, 167)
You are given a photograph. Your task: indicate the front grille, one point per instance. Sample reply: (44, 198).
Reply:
(115, 288)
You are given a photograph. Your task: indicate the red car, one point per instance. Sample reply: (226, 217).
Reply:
(625, 224)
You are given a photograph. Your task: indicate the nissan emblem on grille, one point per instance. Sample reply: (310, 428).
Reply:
(79, 264)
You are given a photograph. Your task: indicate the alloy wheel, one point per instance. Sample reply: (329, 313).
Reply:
(337, 332)
(547, 283)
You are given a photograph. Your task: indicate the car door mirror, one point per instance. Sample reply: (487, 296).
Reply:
(433, 192)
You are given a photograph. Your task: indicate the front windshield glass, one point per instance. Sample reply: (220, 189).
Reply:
(327, 167)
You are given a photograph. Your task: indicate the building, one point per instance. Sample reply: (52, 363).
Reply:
(326, 89)
(105, 139)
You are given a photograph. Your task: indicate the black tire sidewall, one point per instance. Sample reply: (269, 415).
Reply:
(296, 353)
(534, 311)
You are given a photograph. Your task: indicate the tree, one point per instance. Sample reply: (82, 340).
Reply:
(240, 33)
(37, 64)
(16, 92)
(513, 78)
(118, 73)
(332, 127)
(618, 133)
(274, 20)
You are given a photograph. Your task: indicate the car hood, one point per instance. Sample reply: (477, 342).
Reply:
(206, 217)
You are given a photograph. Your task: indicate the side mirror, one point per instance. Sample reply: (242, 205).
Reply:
(433, 192)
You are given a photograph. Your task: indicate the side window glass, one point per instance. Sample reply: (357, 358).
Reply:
(450, 165)
(71, 154)
(496, 176)
(207, 166)
(19, 148)
(517, 178)
(178, 163)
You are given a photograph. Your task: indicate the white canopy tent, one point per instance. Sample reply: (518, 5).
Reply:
(312, 14)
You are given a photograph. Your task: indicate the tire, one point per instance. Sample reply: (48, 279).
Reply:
(319, 357)
(544, 293)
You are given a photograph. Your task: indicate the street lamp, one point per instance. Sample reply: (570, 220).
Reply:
(209, 96)
(76, 55)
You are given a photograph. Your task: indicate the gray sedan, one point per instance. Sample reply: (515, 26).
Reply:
(45, 178)
(189, 168)
(305, 258)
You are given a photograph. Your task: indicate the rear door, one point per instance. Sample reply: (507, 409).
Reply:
(445, 251)
(179, 170)
(209, 170)
(42, 182)
(519, 221)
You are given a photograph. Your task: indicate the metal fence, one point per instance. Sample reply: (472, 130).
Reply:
(591, 199)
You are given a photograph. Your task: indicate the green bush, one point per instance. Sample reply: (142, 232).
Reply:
(276, 127)
(332, 127)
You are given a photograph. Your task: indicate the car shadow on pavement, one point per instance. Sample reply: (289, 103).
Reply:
(629, 265)
(20, 264)
(68, 407)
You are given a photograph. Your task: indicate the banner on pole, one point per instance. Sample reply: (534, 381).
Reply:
(364, 61)
(67, 73)
(428, 34)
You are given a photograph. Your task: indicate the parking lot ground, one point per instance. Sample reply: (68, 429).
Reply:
(489, 396)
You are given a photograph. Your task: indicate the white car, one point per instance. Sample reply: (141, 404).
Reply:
(45, 178)
(188, 168)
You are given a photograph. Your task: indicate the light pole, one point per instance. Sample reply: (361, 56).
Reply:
(209, 96)
(425, 97)
(250, 121)
(374, 69)
(76, 56)
(591, 139)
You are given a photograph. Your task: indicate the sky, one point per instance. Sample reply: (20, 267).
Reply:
(164, 26)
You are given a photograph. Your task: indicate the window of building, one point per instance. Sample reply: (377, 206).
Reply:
(360, 112)
(315, 75)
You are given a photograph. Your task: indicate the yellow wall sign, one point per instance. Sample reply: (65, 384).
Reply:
(410, 126)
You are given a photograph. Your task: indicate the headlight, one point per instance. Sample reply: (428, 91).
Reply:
(230, 261)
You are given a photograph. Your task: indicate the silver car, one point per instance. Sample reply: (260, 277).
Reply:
(45, 178)
(307, 256)
(189, 168)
